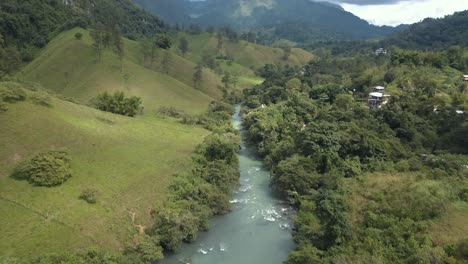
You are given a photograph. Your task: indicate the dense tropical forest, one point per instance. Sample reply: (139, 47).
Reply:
(118, 146)
(369, 184)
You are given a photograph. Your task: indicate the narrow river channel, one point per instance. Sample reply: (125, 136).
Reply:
(257, 231)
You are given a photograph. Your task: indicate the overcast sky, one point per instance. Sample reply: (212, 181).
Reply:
(395, 12)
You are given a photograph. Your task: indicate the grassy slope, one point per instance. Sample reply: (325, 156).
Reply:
(448, 229)
(69, 67)
(130, 162)
(247, 56)
(180, 68)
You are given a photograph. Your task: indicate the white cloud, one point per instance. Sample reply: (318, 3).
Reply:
(405, 12)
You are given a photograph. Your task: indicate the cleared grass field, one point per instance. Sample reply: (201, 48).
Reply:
(249, 55)
(69, 67)
(130, 161)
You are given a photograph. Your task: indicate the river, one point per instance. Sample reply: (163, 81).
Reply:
(257, 231)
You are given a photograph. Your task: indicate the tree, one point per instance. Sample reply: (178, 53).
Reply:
(296, 174)
(286, 53)
(78, 35)
(197, 76)
(166, 62)
(219, 37)
(344, 101)
(10, 59)
(235, 80)
(226, 80)
(148, 48)
(119, 44)
(183, 46)
(149, 248)
(98, 42)
(163, 41)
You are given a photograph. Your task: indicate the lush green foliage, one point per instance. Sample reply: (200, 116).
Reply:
(316, 137)
(119, 104)
(201, 193)
(50, 168)
(10, 92)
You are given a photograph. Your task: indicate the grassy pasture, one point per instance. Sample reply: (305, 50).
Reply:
(130, 161)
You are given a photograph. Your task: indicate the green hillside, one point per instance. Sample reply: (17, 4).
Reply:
(129, 161)
(68, 66)
(180, 68)
(247, 54)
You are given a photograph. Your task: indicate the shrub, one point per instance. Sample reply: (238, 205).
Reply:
(118, 104)
(170, 111)
(189, 120)
(3, 107)
(402, 166)
(11, 92)
(49, 168)
(41, 99)
(89, 195)
(78, 35)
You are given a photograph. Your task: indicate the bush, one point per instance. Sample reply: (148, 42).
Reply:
(41, 99)
(190, 120)
(11, 92)
(171, 112)
(3, 107)
(49, 168)
(89, 195)
(402, 166)
(78, 35)
(118, 104)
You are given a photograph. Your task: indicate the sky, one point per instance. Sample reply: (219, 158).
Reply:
(395, 12)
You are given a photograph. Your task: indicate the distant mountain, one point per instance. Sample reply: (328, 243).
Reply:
(434, 33)
(296, 20)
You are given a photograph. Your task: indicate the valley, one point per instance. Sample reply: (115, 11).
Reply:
(227, 131)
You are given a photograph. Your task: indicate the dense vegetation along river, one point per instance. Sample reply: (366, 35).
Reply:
(257, 231)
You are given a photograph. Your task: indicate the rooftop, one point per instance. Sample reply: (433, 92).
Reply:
(376, 94)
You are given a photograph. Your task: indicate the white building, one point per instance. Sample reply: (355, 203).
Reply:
(378, 98)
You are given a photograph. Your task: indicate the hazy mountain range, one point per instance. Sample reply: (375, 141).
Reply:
(296, 20)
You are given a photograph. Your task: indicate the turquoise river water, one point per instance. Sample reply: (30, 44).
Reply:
(257, 231)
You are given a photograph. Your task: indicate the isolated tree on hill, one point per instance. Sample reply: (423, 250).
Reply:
(162, 41)
(183, 46)
(197, 76)
(286, 53)
(119, 44)
(234, 80)
(219, 36)
(78, 35)
(226, 80)
(106, 39)
(148, 48)
(166, 62)
(98, 42)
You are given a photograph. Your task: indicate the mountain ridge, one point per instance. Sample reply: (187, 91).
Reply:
(298, 20)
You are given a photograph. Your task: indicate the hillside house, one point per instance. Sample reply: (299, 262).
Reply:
(377, 98)
(465, 78)
(380, 51)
